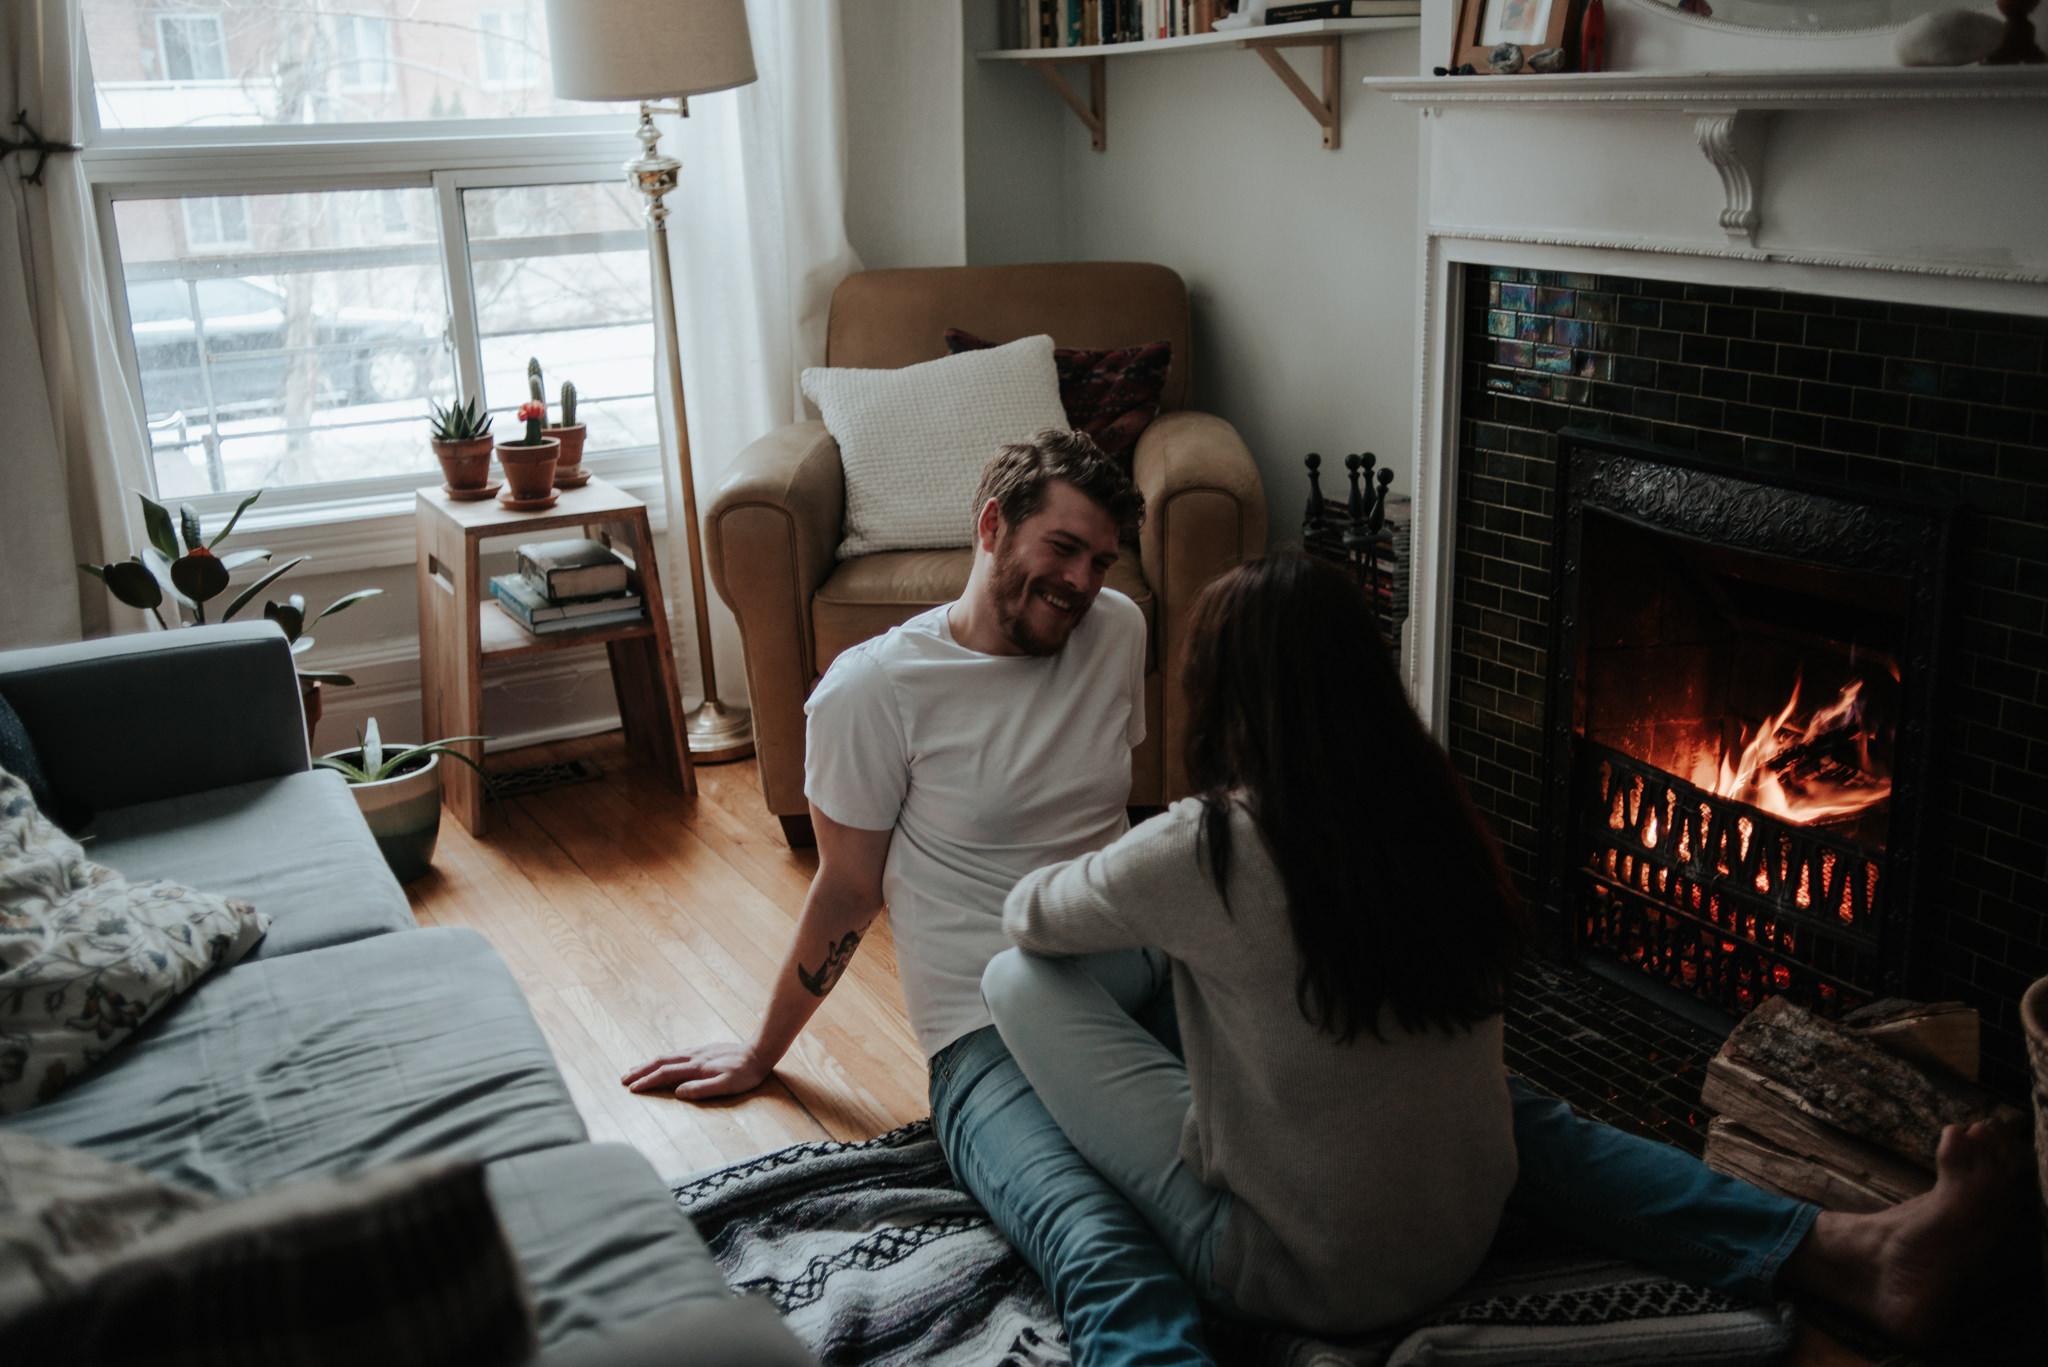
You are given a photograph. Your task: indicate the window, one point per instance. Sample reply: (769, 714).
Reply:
(362, 52)
(505, 54)
(192, 47)
(293, 296)
(220, 223)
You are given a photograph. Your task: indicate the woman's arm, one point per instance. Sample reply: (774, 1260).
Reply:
(1114, 898)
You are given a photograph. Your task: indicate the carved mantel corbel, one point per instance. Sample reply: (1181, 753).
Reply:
(1732, 139)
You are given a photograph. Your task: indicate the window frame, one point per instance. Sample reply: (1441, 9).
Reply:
(181, 18)
(160, 163)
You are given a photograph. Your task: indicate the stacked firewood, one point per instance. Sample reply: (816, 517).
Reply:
(1846, 1114)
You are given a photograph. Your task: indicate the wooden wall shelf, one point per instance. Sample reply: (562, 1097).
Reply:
(1325, 34)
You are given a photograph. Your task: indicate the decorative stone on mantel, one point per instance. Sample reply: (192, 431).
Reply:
(1729, 109)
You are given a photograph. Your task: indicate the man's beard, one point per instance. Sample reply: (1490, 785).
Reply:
(1013, 595)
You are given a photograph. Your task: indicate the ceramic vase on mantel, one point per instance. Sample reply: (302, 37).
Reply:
(2034, 1020)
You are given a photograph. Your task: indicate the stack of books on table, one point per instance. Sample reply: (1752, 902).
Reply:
(567, 586)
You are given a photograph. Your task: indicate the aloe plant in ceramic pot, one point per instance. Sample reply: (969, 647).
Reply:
(398, 790)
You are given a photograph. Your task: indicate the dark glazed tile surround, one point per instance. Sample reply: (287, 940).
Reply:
(1882, 396)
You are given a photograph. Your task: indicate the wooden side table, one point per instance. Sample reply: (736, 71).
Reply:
(462, 626)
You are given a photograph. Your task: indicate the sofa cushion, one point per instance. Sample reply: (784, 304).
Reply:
(398, 1265)
(866, 596)
(317, 1063)
(86, 956)
(294, 847)
(913, 442)
(601, 1240)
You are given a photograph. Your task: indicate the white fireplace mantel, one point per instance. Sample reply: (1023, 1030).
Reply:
(1912, 186)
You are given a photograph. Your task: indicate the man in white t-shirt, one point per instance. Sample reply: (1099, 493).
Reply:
(991, 736)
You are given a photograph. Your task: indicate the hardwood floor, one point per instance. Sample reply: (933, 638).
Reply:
(638, 920)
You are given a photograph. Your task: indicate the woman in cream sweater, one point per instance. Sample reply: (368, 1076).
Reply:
(1334, 1151)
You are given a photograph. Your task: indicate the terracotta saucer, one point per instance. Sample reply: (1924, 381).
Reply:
(575, 481)
(473, 495)
(530, 505)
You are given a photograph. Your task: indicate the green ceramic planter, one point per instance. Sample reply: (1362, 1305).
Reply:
(404, 812)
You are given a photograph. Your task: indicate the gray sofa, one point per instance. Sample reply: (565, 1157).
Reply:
(350, 1037)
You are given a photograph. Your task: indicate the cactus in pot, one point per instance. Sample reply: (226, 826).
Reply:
(569, 472)
(461, 438)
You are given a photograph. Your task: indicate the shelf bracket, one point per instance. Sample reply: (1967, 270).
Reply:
(1092, 111)
(1732, 142)
(1325, 111)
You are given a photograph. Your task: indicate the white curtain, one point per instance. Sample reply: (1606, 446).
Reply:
(757, 240)
(73, 438)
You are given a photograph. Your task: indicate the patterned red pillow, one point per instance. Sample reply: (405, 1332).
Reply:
(1111, 395)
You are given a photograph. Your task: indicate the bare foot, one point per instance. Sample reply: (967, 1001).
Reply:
(1902, 1268)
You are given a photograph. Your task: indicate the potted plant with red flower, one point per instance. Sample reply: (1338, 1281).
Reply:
(529, 462)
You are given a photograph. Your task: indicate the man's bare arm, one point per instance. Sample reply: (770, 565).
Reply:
(844, 899)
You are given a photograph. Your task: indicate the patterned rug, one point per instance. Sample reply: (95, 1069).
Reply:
(875, 1258)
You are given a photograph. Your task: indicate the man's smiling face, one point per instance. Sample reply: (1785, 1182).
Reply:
(1049, 568)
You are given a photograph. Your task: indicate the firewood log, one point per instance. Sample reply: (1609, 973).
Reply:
(1739, 1152)
(1926, 1032)
(1769, 1111)
(1834, 1076)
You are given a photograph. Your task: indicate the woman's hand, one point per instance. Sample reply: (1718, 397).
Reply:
(702, 1072)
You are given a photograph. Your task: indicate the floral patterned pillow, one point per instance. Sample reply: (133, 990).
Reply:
(87, 956)
(1111, 395)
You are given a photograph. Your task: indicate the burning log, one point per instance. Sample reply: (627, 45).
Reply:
(1846, 1117)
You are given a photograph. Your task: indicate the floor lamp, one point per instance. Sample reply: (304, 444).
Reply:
(650, 50)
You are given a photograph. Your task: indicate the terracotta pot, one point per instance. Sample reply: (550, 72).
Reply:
(403, 812)
(570, 463)
(2034, 1020)
(529, 470)
(465, 464)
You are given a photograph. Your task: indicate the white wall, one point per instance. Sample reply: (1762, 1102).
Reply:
(905, 186)
(1301, 263)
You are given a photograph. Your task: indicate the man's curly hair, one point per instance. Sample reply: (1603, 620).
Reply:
(1019, 475)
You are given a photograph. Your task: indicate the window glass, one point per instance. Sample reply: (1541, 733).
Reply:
(298, 61)
(304, 356)
(560, 275)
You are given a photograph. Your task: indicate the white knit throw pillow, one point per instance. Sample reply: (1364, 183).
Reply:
(913, 441)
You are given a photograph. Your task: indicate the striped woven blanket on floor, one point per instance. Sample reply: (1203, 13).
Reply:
(876, 1259)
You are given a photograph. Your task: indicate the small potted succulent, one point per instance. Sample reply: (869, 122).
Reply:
(569, 432)
(188, 581)
(529, 462)
(398, 791)
(462, 443)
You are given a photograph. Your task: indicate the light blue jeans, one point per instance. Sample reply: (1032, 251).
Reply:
(1084, 1038)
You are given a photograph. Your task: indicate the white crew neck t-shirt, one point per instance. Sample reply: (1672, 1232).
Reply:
(987, 767)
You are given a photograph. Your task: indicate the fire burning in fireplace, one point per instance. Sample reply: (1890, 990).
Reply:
(1816, 768)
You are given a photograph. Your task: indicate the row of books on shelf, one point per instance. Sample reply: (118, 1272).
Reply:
(1096, 23)
(568, 585)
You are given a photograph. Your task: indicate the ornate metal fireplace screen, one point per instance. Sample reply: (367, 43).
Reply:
(1707, 895)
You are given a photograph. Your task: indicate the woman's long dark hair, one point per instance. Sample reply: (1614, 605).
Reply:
(1396, 892)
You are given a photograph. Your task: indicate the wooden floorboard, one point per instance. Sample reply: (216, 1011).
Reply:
(639, 920)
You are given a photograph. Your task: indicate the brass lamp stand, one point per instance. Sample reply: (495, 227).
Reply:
(716, 731)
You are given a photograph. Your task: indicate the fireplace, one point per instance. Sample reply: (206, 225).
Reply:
(1743, 675)
(1777, 410)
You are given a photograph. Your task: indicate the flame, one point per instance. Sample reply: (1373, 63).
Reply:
(1764, 772)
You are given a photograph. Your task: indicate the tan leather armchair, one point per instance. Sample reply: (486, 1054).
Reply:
(775, 522)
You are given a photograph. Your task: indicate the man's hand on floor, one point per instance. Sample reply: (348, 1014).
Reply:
(702, 1072)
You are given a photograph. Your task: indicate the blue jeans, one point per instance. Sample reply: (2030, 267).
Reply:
(1624, 1195)
(1115, 1287)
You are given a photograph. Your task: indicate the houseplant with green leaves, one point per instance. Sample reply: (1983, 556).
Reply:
(569, 473)
(462, 443)
(398, 790)
(180, 569)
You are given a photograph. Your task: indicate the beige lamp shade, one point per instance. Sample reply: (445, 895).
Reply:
(648, 49)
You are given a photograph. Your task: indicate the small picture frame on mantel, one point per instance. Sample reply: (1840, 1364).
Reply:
(1531, 25)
